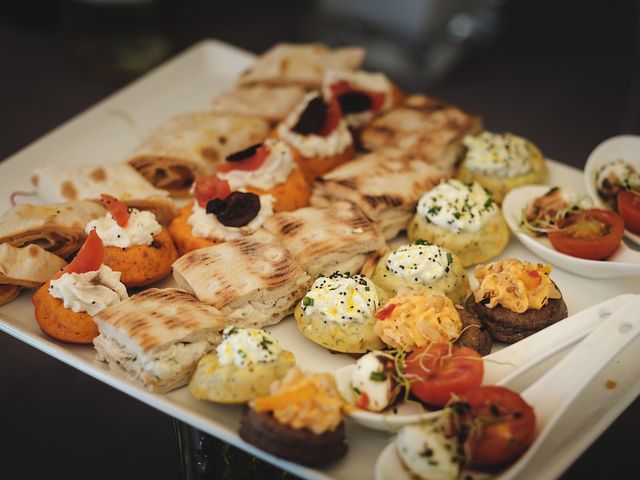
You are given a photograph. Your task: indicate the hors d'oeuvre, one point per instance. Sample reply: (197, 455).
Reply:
(217, 215)
(318, 135)
(9, 293)
(28, 266)
(463, 218)
(253, 280)
(422, 266)
(267, 168)
(515, 299)
(543, 213)
(501, 162)
(65, 305)
(243, 366)
(338, 312)
(618, 185)
(361, 95)
(327, 239)
(376, 381)
(385, 184)
(301, 420)
(425, 128)
(157, 336)
(136, 245)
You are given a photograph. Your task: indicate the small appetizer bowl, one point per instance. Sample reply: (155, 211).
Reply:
(623, 262)
(621, 147)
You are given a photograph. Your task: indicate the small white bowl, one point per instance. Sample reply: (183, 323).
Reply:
(622, 147)
(624, 262)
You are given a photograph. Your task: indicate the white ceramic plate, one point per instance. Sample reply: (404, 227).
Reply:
(622, 147)
(100, 135)
(623, 262)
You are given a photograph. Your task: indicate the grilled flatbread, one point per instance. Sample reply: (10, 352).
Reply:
(63, 183)
(58, 228)
(385, 184)
(271, 102)
(29, 266)
(426, 128)
(8, 293)
(286, 64)
(157, 337)
(193, 144)
(254, 280)
(325, 240)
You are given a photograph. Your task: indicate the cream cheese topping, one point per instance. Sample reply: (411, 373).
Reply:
(139, 230)
(247, 346)
(457, 206)
(274, 171)
(502, 155)
(206, 225)
(371, 378)
(419, 263)
(313, 145)
(342, 298)
(427, 452)
(89, 292)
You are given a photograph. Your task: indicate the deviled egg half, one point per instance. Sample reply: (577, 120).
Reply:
(463, 218)
(338, 312)
(243, 367)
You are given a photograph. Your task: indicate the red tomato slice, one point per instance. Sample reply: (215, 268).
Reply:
(362, 401)
(334, 114)
(89, 257)
(629, 208)
(208, 188)
(377, 98)
(252, 163)
(386, 312)
(440, 370)
(501, 425)
(118, 210)
(593, 234)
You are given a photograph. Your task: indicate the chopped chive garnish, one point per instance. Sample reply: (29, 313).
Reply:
(307, 301)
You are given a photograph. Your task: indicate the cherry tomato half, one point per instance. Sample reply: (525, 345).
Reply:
(629, 207)
(501, 425)
(89, 257)
(592, 233)
(208, 188)
(440, 370)
(118, 210)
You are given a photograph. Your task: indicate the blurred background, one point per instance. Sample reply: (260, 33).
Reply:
(565, 74)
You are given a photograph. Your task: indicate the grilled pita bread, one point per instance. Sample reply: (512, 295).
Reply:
(29, 266)
(286, 64)
(157, 337)
(271, 102)
(254, 280)
(193, 144)
(58, 228)
(424, 127)
(325, 240)
(8, 293)
(63, 183)
(385, 184)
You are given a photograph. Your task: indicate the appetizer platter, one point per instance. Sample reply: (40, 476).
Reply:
(200, 269)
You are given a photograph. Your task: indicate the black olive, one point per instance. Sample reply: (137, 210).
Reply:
(354, 102)
(312, 119)
(244, 154)
(237, 210)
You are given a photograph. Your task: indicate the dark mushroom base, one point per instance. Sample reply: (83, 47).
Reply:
(474, 334)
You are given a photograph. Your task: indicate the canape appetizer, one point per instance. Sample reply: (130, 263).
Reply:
(244, 365)
(501, 162)
(64, 305)
(136, 245)
(618, 185)
(217, 214)
(301, 420)
(338, 312)
(463, 218)
(318, 135)
(268, 168)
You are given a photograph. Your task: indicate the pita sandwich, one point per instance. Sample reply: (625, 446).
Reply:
(254, 280)
(194, 144)
(157, 337)
(286, 64)
(29, 266)
(9, 293)
(270, 102)
(64, 183)
(385, 184)
(58, 228)
(424, 127)
(327, 239)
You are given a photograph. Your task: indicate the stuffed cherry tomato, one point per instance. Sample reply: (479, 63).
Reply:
(629, 207)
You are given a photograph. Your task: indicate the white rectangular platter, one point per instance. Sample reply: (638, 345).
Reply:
(109, 131)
